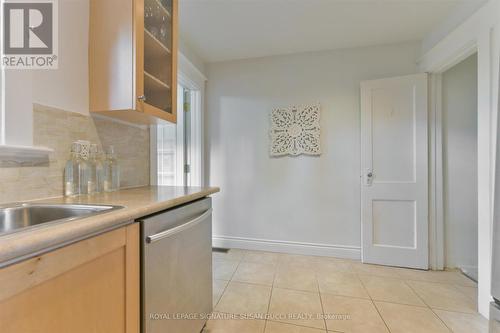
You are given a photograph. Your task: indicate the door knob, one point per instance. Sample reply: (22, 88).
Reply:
(368, 178)
(142, 98)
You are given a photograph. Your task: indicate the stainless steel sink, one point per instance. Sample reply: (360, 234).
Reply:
(15, 217)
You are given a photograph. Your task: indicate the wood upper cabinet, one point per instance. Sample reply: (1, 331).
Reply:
(89, 286)
(133, 59)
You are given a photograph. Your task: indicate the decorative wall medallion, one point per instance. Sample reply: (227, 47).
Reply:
(295, 130)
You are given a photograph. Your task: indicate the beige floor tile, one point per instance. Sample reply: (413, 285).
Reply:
(410, 319)
(296, 277)
(244, 298)
(218, 289)
(462, 280)
(463, 322)
(452, 277)
(470, 292)
(275, 327)
(390, 290)
(413, 274)
(234, 326)
(296, 307)
(443, 296)
(334, 260)
(452, 296)
(375, 270)
(255, 273)
(333, 267)
(298, 259)
(261, 257)
(224, 269)
(352, 315)
(232, 254)
(344, 284)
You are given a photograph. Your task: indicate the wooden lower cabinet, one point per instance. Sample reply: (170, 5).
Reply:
(91, 286)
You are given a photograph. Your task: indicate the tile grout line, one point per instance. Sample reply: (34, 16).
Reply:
(428, 306)
(455, 311)
(441, 320)
(412, 291)
(416, 279)
(321, 301)
(228, 282)
(294, 324)
(225, 288)
(222, 293)
(416, 293)
(373, 303)
(364, 287)
(271, 294)
(303, 326)
(231, 280)
(425, 305)
(381, 317)
(257, 263)
(347, 296)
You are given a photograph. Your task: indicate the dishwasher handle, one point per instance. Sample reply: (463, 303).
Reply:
(182, 227)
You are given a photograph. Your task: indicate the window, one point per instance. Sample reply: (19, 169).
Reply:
(167, 153)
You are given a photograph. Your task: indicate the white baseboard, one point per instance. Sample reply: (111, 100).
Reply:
(470, 271)
(325, 250)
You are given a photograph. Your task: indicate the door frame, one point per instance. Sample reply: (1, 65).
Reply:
(435, 137)
(189, 76)
(479, 32)
(436, 180)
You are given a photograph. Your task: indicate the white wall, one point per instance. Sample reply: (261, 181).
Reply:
(191, 55)
(299, 204)
(65, 88)
(18, 106)
(460, 164)
(459, 14)
(480, 32)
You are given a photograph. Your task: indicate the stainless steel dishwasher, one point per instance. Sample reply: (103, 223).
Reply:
(176, 269)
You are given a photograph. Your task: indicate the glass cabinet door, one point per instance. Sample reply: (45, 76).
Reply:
(158, 58)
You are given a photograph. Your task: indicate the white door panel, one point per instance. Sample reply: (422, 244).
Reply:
(394, 171)
(393, 134)
(398, 216)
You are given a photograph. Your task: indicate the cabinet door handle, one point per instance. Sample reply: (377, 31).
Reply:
(182, 227)
(142, 98)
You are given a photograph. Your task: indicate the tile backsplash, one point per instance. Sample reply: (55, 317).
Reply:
(57, 129)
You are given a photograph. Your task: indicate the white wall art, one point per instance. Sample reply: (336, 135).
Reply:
(295, 130)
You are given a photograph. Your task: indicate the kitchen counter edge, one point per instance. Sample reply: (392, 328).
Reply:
(26, 244)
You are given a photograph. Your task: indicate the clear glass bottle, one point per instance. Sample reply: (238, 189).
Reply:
(71, 186)
(92, 181)
(98, 160)
(111, 171)
(83, 166)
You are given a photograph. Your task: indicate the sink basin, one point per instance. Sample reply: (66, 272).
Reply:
(15, 217)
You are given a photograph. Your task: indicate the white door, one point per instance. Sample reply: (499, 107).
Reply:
(394, 171)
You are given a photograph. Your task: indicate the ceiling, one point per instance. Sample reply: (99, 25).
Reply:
(221, 30)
